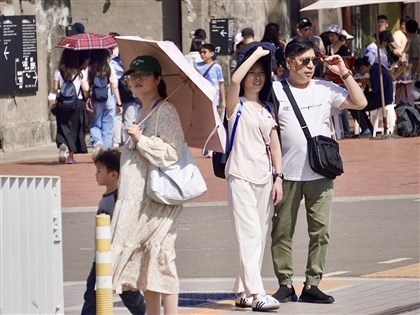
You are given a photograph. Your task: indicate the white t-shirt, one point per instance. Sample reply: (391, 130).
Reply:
(77, 82)
(315, 103)
(248, 159)
(193, 57)
(401, 40)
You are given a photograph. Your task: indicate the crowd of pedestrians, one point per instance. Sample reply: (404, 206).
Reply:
(268, 171)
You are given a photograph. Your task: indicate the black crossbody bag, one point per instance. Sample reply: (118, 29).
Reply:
(324, 153)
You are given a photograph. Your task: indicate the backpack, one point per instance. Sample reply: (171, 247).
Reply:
(125, 93)
(408, 120)
(99, 92)
(68, 97)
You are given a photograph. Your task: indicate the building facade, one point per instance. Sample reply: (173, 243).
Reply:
(24, 117)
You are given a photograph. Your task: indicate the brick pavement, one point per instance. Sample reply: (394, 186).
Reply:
(372, 168)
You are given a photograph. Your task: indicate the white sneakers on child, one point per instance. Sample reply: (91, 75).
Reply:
(265, 303)
(243, 301)
(62, 153)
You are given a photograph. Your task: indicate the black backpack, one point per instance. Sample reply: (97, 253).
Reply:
(100, 89)
(408, 119)
(68, 97)
(125, 93)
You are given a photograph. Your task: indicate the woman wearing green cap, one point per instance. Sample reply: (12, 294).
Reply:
(144, 231)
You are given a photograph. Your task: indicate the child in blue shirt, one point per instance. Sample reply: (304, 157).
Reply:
(107, 172)
(212, 71)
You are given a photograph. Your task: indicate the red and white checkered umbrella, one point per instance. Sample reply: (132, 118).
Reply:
(87, 41)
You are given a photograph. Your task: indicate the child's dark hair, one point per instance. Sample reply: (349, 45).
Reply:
(110, 159)
(209, 47)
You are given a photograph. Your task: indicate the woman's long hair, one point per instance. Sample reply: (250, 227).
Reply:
(69, 64)
(161, 86)
(99, 64)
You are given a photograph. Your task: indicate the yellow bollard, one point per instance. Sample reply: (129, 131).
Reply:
(103, 265)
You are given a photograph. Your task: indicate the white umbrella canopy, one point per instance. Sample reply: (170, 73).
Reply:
(188, 90)
(336, 4)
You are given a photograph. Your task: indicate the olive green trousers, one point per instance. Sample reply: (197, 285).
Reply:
(318, 196)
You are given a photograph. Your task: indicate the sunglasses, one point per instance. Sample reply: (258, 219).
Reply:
(139, 76)
(305, 61)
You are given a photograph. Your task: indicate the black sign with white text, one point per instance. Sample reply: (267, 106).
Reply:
(222, 35)
(18, 55)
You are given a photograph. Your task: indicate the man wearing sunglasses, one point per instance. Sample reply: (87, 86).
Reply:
(315, 99)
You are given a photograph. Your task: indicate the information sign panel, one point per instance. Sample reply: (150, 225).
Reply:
(222, 35)
(18, 55)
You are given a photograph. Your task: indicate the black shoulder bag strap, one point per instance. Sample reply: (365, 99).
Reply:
(296, 109)
(208, 69)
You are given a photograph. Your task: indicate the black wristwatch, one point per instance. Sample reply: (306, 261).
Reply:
(275, 175)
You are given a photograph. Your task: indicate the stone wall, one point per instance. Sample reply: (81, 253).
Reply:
(25, 120)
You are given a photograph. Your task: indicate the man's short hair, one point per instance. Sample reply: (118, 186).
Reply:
(411, 26)
(298, 46)
(382, 17)
(110, 159)
(247, 32)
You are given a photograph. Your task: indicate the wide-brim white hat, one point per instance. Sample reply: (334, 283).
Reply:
(347, 35)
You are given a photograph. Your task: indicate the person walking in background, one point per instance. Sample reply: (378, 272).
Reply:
(107, 165)
(401, 39)
(272, 35)
(117, 65)
(255, 156)
(414, 49)
(144, 231)
(304, 29)
(393, 51)
(372, 93)
(199, 38)
(371, 51)
(212, 71)
(194, 56)
(101, 88)
(70, 137)
(338, 47)
(243, 38)
(315, 99)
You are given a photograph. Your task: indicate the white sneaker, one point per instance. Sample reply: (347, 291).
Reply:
(62, 153)
(265, 303)
(243, 301)
(97, 148)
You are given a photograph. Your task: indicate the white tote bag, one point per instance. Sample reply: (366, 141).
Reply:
(178, 183)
